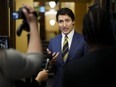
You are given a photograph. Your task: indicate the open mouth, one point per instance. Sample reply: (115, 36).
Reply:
(65, 29)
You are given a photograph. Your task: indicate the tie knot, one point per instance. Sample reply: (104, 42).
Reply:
(66, 36)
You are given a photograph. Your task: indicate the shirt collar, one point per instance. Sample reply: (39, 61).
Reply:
(70, 35)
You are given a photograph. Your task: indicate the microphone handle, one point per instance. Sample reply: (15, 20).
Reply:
(47, 64)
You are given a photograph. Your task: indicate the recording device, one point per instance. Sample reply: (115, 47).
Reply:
(49, 57)
(20, 15)
(47, 64)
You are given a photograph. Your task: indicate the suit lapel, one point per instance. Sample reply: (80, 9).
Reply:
(60, 60)
(73, 47)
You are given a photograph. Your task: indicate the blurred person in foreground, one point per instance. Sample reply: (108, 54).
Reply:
(97, 68)
(15, 65)
(76, 48)
(38, 81)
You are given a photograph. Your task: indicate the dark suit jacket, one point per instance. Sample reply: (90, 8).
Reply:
(96, 69)
(78, 48)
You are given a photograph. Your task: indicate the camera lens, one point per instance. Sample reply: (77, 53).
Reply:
(15, 15)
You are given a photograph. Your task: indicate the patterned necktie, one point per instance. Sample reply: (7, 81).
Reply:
(65, 49)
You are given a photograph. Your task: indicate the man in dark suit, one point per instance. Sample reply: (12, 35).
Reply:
(77, 47)
(97, 68)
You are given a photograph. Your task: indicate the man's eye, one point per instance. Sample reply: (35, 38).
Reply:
(60, 21)
(67, 20)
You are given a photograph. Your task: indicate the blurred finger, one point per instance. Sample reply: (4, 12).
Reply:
(54, 54)
(55, 57)
(29, 8)
(25, 12)
(48, 51)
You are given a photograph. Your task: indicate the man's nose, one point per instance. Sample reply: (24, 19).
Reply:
(64, 23)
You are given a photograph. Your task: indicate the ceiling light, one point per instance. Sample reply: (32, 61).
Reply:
(52, 22)
(52, 4)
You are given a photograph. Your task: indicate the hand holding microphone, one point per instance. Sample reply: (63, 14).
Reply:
(49, 56)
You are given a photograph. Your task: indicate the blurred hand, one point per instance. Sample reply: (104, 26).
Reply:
(29, 15)
(42, 76)
(54, 56)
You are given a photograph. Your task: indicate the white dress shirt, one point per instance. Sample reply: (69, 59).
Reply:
(70, 36)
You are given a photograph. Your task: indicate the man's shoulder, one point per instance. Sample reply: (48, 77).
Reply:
(56, 37)
(78, 35)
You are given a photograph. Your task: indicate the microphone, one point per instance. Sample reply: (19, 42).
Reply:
(47, 64)
(49, 56)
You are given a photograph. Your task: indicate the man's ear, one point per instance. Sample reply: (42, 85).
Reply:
(73, 22)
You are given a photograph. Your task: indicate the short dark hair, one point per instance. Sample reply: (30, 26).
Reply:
(65, 11)
(97, 26)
